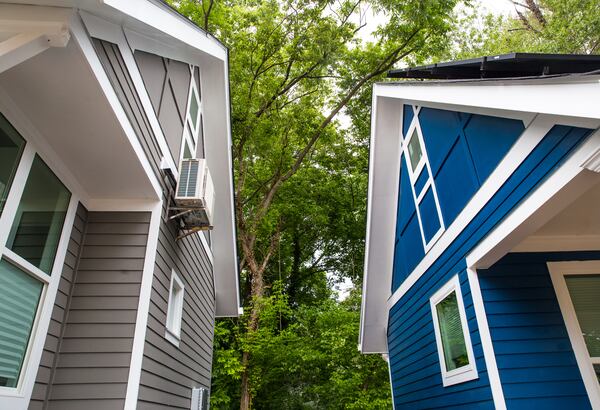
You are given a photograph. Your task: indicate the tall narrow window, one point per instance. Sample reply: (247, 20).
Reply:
(11, 148)
(174, 310)
(452, 335)
(38, 224)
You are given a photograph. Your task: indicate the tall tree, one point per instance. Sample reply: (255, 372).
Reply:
(548, 26)
(298, 69)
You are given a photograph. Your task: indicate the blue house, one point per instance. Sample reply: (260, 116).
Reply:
(482, 266)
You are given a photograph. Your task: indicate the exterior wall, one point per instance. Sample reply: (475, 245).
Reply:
(49, 358)
(535, 359)
(120, 79)
(168, 372)
(94, 317)
(460, 147)
(415, 368)
(168, 85)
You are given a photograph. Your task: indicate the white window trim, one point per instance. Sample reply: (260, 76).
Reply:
(414, 175)
(558, 271)
(173, 330)
(12, 397)
(465, 373)
(193, 139)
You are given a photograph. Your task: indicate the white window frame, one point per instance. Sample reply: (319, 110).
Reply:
(414, 175)
(13, 396)
(174, 310)
(558, 271)
(465, 373)
(192, 139)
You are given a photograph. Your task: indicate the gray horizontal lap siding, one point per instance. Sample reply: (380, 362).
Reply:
(168, 372)
(88, 349)
(50, 352)
(95, 350)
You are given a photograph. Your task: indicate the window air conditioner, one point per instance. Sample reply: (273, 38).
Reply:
(195, 193)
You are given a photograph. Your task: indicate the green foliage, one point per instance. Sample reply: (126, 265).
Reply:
(567, 26)
(301, 187)
(310, 364)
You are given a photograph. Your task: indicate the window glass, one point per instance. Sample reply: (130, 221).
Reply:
(451, 332)
(194, 107)
(11, 147)
(585, 294)
(20, 295)
(414, 150)
(175, 308)
(39, 220)
(597, 369)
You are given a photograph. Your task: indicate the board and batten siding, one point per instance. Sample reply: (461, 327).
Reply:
(415, 368)
(535, 359)
(91, 334)
(168, 372)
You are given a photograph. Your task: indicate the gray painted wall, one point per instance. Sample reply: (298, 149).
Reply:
(88, 348)
(55, 330)
(168, 372)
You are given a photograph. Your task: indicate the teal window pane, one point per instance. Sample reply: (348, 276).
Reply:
(451, 332)
(39, 220)
(11, 148)
(585, 295)
(20, 296)
(414, 150)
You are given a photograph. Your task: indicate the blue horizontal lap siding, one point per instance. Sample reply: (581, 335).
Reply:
(411, 337)
(534, 355)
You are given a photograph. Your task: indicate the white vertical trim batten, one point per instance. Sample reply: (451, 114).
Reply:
(141, 323)
(486, 341)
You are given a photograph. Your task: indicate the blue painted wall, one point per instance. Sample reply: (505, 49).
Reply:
(415, 368)
(535, 360)
(463, 150)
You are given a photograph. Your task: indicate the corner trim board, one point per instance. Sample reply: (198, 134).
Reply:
(486, 341)
(141, 323)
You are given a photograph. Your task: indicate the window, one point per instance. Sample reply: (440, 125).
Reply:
(11, 148)
(429, 212)
(174, 310)
(20, 294)
(38, 223)
(193, 135)
(577, 286)
(31, 228)
(415, 152)
(452, 335)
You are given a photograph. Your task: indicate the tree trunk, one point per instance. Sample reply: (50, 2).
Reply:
(245, 400)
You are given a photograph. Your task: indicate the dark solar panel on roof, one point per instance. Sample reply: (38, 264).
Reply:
(503, 66)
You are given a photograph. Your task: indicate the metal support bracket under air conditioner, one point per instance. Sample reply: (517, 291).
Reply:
(175, 213)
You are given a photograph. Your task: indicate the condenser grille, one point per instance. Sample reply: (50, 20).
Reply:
(188, 179)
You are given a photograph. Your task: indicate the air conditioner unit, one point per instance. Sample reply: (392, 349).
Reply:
(195, 193)
(199, 399)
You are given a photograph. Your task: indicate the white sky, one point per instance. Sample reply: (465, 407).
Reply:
(498, 6)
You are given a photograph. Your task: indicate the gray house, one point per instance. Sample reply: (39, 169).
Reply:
(117, 234)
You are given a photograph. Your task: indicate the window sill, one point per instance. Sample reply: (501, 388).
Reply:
(459, 376)
(172, 337)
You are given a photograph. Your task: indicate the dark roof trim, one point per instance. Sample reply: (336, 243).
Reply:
(503, 66)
